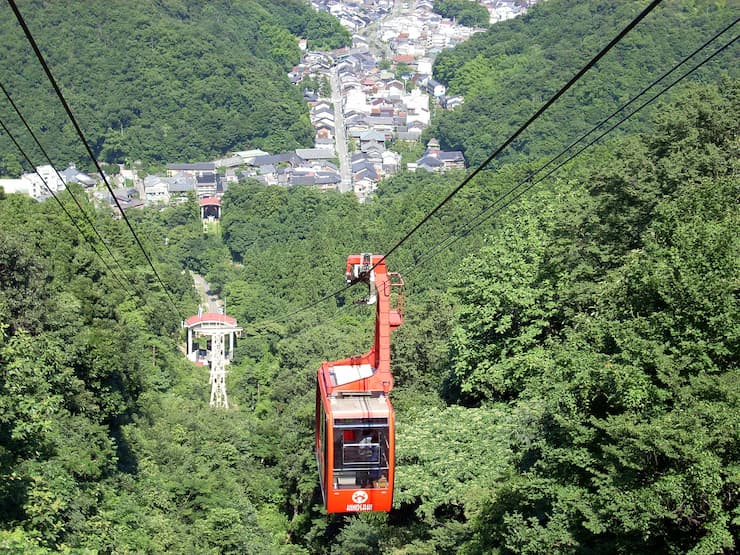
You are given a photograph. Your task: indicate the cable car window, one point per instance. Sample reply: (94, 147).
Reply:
(361, 453)
(360, 423)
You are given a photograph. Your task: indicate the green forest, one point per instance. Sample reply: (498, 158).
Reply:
(463, 12)
(509, 71)
(566, 378)
(166, 81)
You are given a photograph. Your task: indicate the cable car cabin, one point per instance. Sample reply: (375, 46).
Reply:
(356, 445)
(355, 433)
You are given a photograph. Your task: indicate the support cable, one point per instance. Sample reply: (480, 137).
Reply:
(315, 303)
(573, 80)
(527, 184)
(440, 246)
(632, 24)
(81, 135)
(570, 158)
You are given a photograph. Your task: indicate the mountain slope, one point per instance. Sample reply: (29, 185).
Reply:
(508, 72)
(162, 81)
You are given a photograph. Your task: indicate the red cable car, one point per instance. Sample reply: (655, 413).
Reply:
(355, 435)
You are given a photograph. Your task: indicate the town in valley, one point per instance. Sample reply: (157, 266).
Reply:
(364, 99)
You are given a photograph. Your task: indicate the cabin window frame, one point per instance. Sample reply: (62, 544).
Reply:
(357, 471)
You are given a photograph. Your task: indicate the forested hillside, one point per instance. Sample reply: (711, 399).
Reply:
(506, 73)
(167, 81)
(470, 14)
(566, 377)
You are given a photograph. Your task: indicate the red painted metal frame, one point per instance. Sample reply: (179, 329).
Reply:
(379, 384)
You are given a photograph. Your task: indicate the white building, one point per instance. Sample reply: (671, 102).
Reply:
(356, 101)
(50, 176)
(417, 103)
(156, 190)
(37, 184)
(424, 66)
(21, 186)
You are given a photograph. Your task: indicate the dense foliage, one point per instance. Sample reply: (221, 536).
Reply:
(566, 376)
(506, 73)
(568, 386)
(80, 356)
(612, 335)
(464, 12)
(167, 81)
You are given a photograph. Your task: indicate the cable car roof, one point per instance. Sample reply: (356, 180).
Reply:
(345, 373)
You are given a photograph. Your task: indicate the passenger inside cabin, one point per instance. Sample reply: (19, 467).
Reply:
(369, 447)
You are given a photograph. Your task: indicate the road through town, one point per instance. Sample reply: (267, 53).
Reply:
(380, 50)
(340, 139)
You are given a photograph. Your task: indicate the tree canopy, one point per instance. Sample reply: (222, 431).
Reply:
(464, 12)
(565, 378)
(162, 81)
(509, 71)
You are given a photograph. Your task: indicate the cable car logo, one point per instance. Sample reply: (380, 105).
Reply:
(359, 497)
